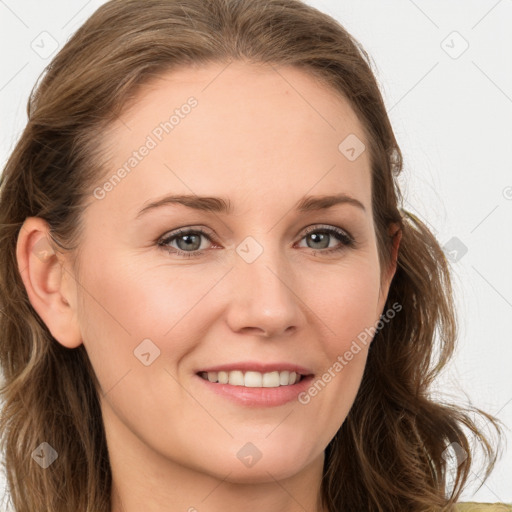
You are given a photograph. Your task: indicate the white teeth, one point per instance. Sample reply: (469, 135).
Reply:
(223, 377)
(253, 379)
(271, 380)
(236, 378)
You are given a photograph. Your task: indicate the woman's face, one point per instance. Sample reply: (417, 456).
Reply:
(268, 287)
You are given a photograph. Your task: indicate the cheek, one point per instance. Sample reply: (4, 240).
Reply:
(124, 303)
(347, 302)
(120, 308)
(349, 312)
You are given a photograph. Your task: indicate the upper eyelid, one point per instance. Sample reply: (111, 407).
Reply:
(319, 227)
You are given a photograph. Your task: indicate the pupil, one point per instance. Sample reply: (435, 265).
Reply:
(188, 243)
(189, 240)
(316, 235)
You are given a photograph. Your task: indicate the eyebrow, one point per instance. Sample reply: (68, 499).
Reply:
(223, 205)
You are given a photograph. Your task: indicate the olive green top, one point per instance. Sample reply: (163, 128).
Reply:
(484, 507)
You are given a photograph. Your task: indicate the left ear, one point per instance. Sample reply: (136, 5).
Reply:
(395, 233)
(50, 289)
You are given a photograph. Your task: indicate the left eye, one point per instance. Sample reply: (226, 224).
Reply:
(189, 241)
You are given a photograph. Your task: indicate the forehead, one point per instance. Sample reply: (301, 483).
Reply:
(256, 134)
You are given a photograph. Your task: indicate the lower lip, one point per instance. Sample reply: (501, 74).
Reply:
(258, 397)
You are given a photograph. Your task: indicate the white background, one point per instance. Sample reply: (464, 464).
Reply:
(451, 111)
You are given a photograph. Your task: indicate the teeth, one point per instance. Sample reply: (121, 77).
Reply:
(253, 379)
(271, 380)
(236, 378)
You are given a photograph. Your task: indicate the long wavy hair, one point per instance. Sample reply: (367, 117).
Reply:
(390, 452)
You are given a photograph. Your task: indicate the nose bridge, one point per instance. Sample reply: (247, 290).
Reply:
(264, 285)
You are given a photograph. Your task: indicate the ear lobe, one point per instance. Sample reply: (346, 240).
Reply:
(50, 287)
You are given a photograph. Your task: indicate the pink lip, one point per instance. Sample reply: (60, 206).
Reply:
(247, 366)
(258, 397)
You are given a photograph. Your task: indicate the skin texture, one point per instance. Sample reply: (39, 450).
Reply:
(263, 138)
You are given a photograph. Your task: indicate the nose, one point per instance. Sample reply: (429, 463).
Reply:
(263, 296)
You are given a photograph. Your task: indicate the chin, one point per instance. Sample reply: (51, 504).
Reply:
(252, 466)
(262, 472)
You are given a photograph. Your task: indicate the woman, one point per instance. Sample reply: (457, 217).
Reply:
(173, 337)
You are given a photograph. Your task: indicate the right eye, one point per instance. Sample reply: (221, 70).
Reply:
(187, 238)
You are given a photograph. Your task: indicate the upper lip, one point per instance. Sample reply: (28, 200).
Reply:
(247, 366)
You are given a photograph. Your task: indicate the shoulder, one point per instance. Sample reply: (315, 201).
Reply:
(483, 507)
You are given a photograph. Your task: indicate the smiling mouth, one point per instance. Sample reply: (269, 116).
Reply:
(250, 379)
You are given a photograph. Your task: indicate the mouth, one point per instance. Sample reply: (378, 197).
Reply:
(255, 383)
(253, 379)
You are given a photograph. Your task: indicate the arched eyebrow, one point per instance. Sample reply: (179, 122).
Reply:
(314, 203)
(223, 204)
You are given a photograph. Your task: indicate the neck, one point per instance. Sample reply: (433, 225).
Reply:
(145, 481)
(195, 493)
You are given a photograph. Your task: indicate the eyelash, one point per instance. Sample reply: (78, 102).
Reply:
(347, 241)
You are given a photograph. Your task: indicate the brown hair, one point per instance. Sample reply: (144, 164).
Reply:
(388, 455)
